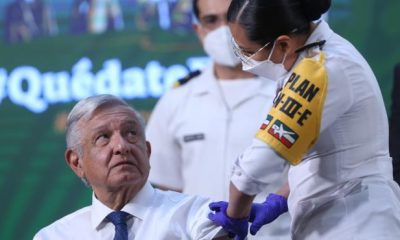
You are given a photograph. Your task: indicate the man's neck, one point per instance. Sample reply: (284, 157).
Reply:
(116, 199)
(230, 73)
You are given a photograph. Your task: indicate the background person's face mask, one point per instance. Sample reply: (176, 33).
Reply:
(217, 44)
(266, 68)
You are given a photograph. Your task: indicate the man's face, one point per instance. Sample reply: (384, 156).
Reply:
(212, 15)
(115, 154)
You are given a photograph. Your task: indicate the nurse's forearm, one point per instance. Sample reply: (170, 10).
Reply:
(239, 203)
(284, 190)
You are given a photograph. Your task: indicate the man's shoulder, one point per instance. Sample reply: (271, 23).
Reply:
(82, 214)
(179, 94)
(64, 226)
(177, 200)
(195, 79)
(188, 78)
(190, 210)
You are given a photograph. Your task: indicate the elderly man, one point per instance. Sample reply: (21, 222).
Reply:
(106, 148)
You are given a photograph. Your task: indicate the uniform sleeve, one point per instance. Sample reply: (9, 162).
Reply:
(165, 160)
(256, 168)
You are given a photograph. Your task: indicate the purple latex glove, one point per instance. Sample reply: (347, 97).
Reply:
(235, 227)
(266, 212)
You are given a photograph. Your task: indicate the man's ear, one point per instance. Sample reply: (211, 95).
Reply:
(148, 146)
(74, 162)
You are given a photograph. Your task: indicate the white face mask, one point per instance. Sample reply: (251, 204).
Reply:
(266, 68)
(218, 45)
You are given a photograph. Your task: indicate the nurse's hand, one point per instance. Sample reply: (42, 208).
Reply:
(235, 227)
(266, 212)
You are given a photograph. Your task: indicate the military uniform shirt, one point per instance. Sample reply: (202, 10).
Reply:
(343, 188)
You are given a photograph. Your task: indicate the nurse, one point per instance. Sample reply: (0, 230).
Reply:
(328, 121)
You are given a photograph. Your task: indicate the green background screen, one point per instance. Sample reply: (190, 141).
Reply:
(137, 56)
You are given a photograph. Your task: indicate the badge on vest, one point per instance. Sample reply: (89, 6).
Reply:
(293, 124)
(193, 137)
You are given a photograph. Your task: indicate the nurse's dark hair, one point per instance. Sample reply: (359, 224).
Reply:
(265, 20)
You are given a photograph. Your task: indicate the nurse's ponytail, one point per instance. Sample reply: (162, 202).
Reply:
(313, 9)
(265, 20)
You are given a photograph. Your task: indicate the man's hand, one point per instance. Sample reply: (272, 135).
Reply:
(266, 212)
(235, 227)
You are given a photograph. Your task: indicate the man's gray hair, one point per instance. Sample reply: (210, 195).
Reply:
(84, 109)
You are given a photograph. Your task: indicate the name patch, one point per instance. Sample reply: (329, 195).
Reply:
(193, 137)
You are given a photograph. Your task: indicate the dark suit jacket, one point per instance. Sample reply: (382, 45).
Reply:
(394, 134)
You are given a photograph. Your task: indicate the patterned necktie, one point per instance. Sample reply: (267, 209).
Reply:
(119, 221)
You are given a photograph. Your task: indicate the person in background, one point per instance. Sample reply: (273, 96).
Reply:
(28, 19)
(80, 16)
(107, 149)
(200, 127)
(44, 17)
(145, 16)
(105, 15)
(328, 121)
(394, 133)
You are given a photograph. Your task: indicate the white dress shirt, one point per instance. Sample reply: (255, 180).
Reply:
(343, 188)
(156, 215)
(198, 130)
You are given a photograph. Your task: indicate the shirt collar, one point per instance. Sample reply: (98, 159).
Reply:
(321, 32)
(208, 81)
(137, 206)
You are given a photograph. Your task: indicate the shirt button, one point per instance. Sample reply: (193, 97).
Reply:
(238, 173)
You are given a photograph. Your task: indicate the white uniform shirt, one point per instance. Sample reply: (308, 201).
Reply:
(197, 134)
(343, 188)
(157, 215)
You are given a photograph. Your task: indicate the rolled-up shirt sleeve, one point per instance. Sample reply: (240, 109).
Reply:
(257, 167)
